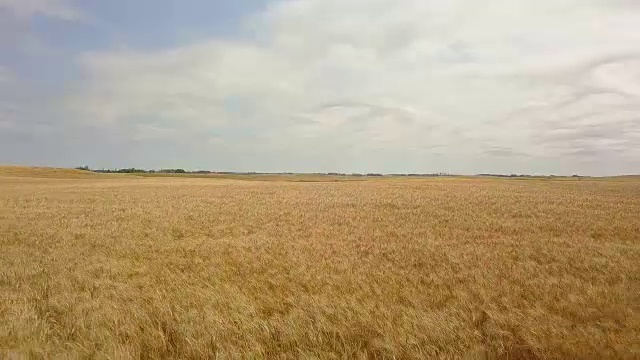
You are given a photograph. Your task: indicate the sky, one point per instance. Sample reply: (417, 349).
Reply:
(411, 86)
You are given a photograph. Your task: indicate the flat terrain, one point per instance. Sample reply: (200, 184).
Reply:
(109, 266)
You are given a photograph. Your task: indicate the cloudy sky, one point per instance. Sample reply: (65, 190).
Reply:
(459, 86)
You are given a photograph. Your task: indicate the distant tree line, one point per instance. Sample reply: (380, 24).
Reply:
(507, 176)
(182, 171)
(202, 172)
(424, 175)
(527, 176)
(133, 170)
(121, 171)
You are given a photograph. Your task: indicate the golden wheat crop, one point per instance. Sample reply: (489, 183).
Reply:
(129, 267)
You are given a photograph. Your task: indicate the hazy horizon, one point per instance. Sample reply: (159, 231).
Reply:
(309, 86)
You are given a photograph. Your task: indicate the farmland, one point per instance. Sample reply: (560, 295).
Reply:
(122, 266)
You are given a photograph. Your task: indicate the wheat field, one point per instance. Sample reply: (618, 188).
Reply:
(120, 267)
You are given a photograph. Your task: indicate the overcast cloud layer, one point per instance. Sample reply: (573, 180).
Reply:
(460, 86)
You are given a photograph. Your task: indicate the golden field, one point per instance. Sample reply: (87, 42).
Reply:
(119, 266)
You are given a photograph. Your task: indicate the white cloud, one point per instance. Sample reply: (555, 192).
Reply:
(409, 85)
(60, 9)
